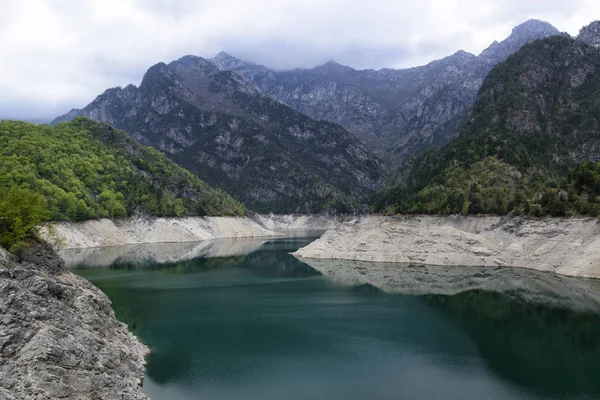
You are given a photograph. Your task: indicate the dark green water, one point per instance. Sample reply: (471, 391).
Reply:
(265, 326)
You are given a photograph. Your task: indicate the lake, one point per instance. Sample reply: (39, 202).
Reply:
(233, 320)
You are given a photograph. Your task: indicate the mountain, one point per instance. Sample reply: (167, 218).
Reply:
(590, 34)
(521, 35)
(398, 113)
(217, 125)
(84, 169)
(531, 144)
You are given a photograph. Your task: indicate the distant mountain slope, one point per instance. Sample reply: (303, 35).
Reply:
(531, 145)
(399, 113)
(84, 169)
(218, 126)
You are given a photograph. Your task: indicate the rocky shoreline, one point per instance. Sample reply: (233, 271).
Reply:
(59, 337)
(566, 246)
(108, 232)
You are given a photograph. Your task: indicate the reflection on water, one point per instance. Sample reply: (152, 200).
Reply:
(149, 254)
(264, 325)
(527, 286)
(554, 351)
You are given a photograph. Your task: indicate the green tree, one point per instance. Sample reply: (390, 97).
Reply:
(89, 170)
(20, 212)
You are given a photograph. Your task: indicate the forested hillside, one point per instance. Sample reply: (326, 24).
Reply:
(530, 146)
(84, 169)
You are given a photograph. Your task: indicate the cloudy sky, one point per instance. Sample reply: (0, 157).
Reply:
(60, 54)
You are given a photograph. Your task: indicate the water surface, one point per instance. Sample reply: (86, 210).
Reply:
(256, 323)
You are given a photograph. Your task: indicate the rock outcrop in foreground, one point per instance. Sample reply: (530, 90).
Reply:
(59, 338)
(564, 246)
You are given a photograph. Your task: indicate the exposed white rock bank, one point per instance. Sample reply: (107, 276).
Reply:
(106, 232)
(566, 246)
(279, 222)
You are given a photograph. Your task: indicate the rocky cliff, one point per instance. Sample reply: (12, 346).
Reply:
(59, 337)
(590, 34)
(399, 113)
(217, 125)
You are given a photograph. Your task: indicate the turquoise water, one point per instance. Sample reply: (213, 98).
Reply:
(259, 324)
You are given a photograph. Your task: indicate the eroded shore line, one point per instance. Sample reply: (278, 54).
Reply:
(566, 246)
(109, 232)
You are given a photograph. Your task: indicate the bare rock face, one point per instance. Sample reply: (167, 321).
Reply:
(398, 112)
(519, 37)
(59, 338)
(590, 34)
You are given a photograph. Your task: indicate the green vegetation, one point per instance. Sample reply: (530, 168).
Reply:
(83, 170)
(527, 147)
(20, 212)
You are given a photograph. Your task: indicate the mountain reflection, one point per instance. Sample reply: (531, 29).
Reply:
(532, 344)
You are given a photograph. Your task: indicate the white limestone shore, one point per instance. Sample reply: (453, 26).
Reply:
(566, 246)
(279, 222)
(107, 232)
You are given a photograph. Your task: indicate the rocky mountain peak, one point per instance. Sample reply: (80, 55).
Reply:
(464, 54)
(156, 69)
(522, 34)
(195, 63)
(224, 61)
(157, 75)
(535, 27)
(461, 57)
(332, 67)
(334, 64)
(590, 34)
(223, 55)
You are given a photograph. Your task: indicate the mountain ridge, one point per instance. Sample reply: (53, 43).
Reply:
(398, 113)
(218, 126)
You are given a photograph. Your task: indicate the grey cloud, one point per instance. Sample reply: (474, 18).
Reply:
(281, 54)
(60, 54)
